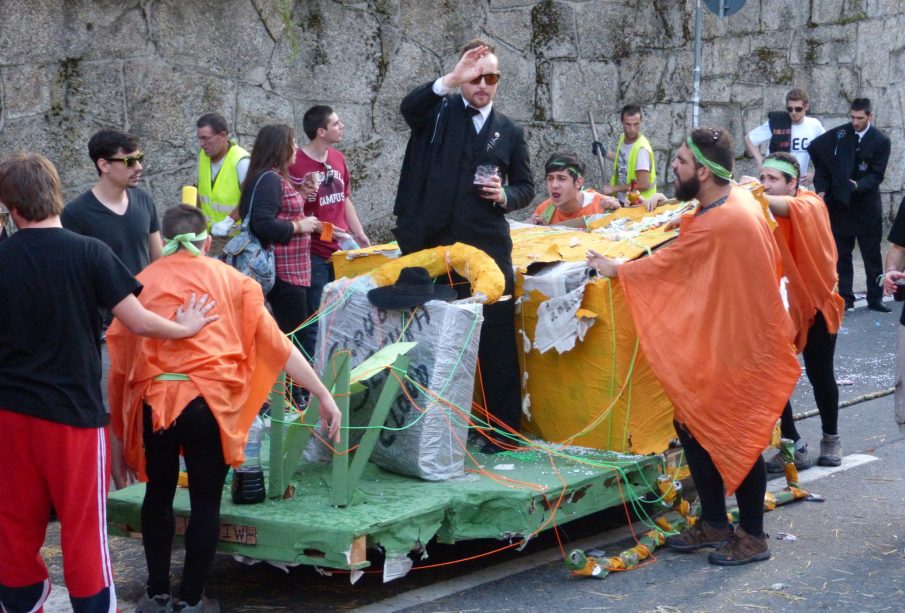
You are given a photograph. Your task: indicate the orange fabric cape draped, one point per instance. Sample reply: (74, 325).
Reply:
(809, 264)
(712, 324)
(232, 362)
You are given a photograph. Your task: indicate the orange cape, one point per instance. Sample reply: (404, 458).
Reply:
(712, 324)
(594, 207)
(232, 362)
(809, 263)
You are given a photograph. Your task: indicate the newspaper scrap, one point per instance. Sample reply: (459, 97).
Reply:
(559, 325)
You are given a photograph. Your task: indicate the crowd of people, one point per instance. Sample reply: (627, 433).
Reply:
(104, 260)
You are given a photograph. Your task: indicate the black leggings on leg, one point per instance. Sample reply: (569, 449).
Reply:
(818, 365)
(707, 479)
(196, 431)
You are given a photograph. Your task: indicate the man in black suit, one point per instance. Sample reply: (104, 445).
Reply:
(437, 202)
(850, 161)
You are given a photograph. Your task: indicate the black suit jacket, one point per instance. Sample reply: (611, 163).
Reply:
(840, 159)
(435, 202)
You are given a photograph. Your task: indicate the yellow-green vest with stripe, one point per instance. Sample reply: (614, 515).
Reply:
(632, 160)
(219, 199)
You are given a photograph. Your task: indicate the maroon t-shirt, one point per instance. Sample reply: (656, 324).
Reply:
(329, 203)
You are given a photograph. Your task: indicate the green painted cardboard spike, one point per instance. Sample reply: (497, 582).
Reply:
(388, 394)
(287, 451)
(342, 493)
(277, 436)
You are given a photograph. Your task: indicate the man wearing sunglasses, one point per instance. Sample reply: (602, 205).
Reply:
(116, 211)
(790, 131)
(319, 161)
(438, 201)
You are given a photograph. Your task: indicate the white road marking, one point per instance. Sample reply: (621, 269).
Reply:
(819, 472)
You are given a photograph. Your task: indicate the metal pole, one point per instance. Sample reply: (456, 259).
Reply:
(696, 92)
(599, 154)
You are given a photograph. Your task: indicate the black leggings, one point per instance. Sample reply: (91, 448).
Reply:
(749, 495)
(818, 365)
(198, 434)
(290, 306)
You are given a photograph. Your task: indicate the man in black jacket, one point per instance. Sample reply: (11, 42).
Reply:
(437, 202)
(850, 161)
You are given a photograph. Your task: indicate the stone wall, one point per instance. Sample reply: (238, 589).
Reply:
(70, 67)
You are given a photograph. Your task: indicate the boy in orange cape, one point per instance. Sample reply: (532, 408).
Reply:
(568, 198)
(712, 324)
(201, 395)
(809, 263)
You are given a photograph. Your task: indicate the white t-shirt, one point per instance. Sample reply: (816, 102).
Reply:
(802, 135)
(241, 169)
(642, 162)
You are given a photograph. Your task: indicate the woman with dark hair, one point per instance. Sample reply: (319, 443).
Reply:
(278, 219)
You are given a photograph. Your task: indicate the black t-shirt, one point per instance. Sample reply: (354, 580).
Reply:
(897, 237)
(50, 355)
(126, 234)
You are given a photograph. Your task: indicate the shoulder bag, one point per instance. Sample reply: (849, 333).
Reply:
(245, 253)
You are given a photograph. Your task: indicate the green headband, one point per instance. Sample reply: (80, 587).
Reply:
(172, 245)
(781, 166)
(715, 168)
(569, 168)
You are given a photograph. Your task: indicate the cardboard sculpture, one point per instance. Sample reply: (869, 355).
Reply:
(427, 427)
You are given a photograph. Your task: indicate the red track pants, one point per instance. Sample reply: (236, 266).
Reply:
(43, 463)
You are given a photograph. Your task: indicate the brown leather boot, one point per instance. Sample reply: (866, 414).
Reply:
(699, 535)
(741, 548)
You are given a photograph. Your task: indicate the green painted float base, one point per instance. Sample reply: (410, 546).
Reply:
(510, 497)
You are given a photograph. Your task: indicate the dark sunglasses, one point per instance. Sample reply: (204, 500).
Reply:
(794, 109)
(328, 174)
(491, 78)
(129, 161)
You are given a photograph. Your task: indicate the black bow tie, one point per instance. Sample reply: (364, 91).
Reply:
(471, 111)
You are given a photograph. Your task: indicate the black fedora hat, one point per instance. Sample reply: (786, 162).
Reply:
(413, 288)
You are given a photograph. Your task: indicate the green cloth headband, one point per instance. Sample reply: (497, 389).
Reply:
(569, 168)
(172, 245)
(715, 168)
(781, 166)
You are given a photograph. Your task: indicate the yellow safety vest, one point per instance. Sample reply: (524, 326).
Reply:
(219, 199)
(632, 160)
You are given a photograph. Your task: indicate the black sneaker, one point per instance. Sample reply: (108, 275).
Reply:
(160, 603)
(878, 306)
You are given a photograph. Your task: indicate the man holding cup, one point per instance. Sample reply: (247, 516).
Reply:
(442, 197)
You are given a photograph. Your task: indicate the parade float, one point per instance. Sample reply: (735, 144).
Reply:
(596, 426)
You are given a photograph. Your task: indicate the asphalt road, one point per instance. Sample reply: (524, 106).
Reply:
(848, 553)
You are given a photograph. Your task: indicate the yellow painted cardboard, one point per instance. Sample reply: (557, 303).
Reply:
(603, 378)
(364, 260)
(602, 393)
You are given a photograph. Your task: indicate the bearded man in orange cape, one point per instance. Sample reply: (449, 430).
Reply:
(711, 321)
(200, 395)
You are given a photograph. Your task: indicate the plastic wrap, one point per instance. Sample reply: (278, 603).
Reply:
(426, 430)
